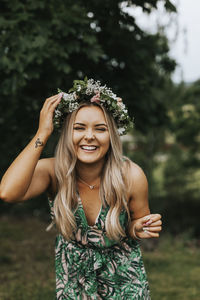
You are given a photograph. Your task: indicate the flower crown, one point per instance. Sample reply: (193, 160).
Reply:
(92, 91)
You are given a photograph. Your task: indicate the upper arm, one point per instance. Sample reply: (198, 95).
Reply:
(137, 192)
(43, 179)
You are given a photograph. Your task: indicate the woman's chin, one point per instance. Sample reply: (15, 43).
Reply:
(90, 160)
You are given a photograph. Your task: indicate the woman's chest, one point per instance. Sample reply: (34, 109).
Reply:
(91, 204)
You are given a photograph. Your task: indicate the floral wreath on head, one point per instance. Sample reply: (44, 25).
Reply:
(92, 91)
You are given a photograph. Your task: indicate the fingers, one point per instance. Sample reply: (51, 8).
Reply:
(150, 235)
(46, 113)
(50, 104)
(152, 226)
(52, 101)
(54, 97)
(151, 232)
(150, 219)
(147, 234)
(54, 104)
(153, 229)
(148, 226)
(158, 223)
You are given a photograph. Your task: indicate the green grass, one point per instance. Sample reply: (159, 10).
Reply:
(173, 270)
(26, 260)
(27, 263)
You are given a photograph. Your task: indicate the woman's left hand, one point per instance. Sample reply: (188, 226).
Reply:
(147, 227)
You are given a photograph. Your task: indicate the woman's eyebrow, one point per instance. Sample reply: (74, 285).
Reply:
(102, 124)
(96, 125)
(77, 123)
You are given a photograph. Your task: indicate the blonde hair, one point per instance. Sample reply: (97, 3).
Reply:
(112, 187)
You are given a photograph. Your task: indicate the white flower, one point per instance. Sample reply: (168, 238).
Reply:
(90, 87)
(65, 96)
(121, 130)
(58, 113)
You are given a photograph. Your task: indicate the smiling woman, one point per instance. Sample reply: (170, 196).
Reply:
(98, 198)
(90, 134)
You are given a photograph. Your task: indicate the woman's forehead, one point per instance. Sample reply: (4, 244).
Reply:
(90, 114)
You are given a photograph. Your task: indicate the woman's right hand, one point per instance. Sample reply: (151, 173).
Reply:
(46, 114)
(147, 227)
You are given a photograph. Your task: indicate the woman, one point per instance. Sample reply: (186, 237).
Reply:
(98, 198)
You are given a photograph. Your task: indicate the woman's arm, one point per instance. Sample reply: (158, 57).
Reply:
(143, 224)
(27, 177)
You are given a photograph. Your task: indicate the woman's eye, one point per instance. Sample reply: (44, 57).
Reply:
(82, 128)
(101, 129)
(78, 128)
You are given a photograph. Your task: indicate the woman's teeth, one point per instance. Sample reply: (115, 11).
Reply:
(90, 148)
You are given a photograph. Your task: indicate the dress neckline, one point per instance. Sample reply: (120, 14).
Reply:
(97, 218)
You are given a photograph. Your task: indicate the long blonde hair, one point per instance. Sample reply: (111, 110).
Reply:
(112, 187)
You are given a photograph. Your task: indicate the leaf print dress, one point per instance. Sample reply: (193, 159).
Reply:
(94, 267)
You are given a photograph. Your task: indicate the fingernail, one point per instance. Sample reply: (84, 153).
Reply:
(145, 228)
(146, 231)
(149, 222)
(60, 94)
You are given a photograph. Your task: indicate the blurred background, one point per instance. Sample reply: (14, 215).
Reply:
(148, 52)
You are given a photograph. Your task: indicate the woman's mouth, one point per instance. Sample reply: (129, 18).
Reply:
(89, 148)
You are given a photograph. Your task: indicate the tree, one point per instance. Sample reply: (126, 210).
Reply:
(181, 171)
(47, 44)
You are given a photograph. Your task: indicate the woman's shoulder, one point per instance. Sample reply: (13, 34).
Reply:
(134, 174)
(48, 164)
(131, 168)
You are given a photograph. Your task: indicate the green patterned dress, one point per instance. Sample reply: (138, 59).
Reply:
(95, 267)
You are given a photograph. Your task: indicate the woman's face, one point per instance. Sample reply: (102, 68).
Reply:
(91, 138)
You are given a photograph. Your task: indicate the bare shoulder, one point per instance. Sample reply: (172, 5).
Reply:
(50, 164)
(136, 173)
(135, 177)
(133, 171)
(47, 165)
(43, 180)
(137, 190)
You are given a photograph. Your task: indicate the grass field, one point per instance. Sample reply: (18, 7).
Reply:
(27, 263)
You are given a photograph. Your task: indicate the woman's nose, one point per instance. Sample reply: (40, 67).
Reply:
(89, 135)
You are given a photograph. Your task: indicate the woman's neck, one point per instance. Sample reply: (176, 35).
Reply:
(89, 172)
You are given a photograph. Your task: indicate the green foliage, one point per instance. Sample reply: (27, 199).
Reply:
(181, 169)
(45, 45)
(169, 155)
(186, 118)
(39, 44)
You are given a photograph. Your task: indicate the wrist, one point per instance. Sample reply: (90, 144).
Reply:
(44, 135)
(40, 139)
(133, 233)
